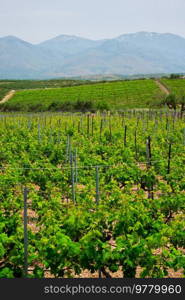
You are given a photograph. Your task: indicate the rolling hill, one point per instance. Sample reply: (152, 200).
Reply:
(101, 96)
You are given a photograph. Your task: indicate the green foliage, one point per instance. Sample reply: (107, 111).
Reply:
(100, 96)
(128, 229)
(176, 86)
(171, 101)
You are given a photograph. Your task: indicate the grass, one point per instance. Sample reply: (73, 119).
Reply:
(3, 92)
(87, 97)
(34, 84)
(175, 86)
(8, 85)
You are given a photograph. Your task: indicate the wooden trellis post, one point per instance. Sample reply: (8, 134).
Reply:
(72, 178)
(148, 152)
(125, 136)
(97, 185)
(169, 158)
(25, 193)
(149, 164)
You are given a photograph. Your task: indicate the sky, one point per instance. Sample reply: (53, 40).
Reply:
(39, 20)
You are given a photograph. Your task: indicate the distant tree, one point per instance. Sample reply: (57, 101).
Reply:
(175, 76)
(182, 103)
(171, 101)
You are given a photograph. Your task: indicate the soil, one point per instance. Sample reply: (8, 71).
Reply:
(162, 87)
(8, 96)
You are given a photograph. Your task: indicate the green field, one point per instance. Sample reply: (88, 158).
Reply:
(99, 200)
(8, 85)
(3, 92)
(87, 97)
(35, 84)
(176, 86)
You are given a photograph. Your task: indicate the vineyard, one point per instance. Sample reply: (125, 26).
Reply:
(175, 86)
(38, 84)
(98, 194)
(8, 85)
(116, 95)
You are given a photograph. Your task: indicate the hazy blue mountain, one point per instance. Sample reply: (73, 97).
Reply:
(19, 59)
(128, 54)
(66, 45)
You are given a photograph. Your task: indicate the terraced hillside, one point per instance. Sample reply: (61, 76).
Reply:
(176, 86)
(8, 85)
(97, 96)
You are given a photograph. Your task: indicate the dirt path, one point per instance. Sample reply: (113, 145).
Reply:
(8, 96)
(162, 87)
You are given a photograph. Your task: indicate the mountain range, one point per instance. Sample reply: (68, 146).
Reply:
(72, 56)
